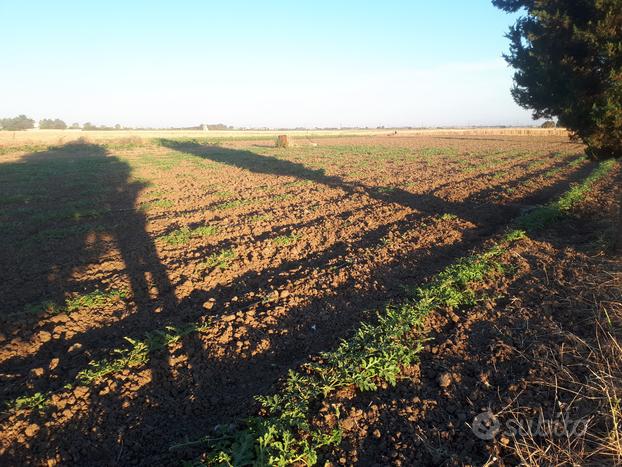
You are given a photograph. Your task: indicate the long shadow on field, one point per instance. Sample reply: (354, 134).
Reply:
(66, 208)
(255, 163)
(469, 209)
(133, 420)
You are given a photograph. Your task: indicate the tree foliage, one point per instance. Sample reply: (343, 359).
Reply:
(21, 122)
(49, 124)
(548, 124)
(568, 61)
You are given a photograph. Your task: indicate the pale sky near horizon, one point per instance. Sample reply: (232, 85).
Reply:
(271, 63)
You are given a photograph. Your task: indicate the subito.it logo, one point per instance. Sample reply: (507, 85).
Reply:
(486, 425)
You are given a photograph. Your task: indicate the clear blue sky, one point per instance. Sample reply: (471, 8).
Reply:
(269, 63)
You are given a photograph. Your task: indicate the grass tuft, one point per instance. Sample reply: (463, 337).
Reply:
(285, 240)
(221, 260)
(185, 234)
(97, 298)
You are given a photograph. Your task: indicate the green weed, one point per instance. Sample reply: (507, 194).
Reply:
(46, 307)
(159, 203)
(260, 217)
(448, 217)
(385, 189)
(38, 401)
(93, 299)
(135, 355)
(232, 204)
(185, 234)
(221, 260)
(545, 215)
(280, 197)
(285, 240)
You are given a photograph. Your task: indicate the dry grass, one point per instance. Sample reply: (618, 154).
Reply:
(587, 386)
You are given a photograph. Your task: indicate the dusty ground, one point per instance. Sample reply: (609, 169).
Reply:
(298, 246)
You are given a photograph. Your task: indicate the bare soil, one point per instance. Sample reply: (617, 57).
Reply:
(323, 233)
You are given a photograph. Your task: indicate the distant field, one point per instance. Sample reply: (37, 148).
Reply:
(164, 279)
(8, 138)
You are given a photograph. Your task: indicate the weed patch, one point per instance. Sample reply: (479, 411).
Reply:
(159, 203)
(232, 204)
(375, 354)
(135, 355)
(448, 217)
(93, 299)
(37, 401)
(221, 260)
(545, 215)
(285, 240)
(185, 234)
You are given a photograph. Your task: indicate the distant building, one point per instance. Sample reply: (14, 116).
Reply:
(204, 127)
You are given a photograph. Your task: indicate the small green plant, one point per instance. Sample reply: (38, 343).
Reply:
(236, 203)
(553, 172)
(159, 203)
(46, 307)
(386, 189)
(577, 162)
(185, 234)
(285, 240)
(260, 217)
(221, 260)
(135, 355)
(283, 197)
(97, 298)
(94, 299)
(204, 231)
(38, 401)
(448, 217)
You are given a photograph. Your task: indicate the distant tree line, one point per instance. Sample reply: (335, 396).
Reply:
(21, 122)
(49, 124)
(88, 126)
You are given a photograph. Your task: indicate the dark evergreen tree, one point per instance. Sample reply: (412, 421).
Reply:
(568, 61)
